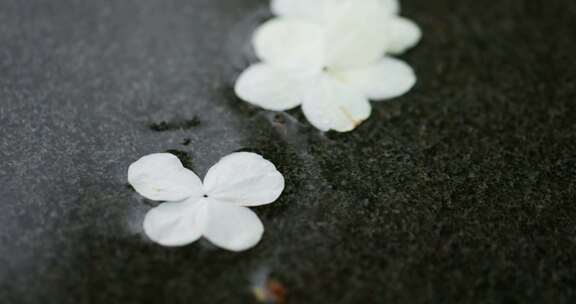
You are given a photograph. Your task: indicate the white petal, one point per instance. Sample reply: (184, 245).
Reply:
(319, 10)
(244, 179)
(290, 44)
(391, 6)
(176, 224)
(403, 34)
(387, 79)
(161, 177)
(232, 227)
(355, 39)
(357, 32)
(269, 87)
(332, 105)
(365, 8)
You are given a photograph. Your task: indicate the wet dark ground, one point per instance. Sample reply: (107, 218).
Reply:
(462, 191)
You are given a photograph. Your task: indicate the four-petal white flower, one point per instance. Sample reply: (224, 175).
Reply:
(215, 208)
(329, 57)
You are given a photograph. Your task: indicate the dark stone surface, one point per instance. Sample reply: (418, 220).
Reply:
(462, 191)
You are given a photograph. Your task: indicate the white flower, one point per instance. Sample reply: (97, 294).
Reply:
(315, 8)
(328, 56)
(216, 208)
